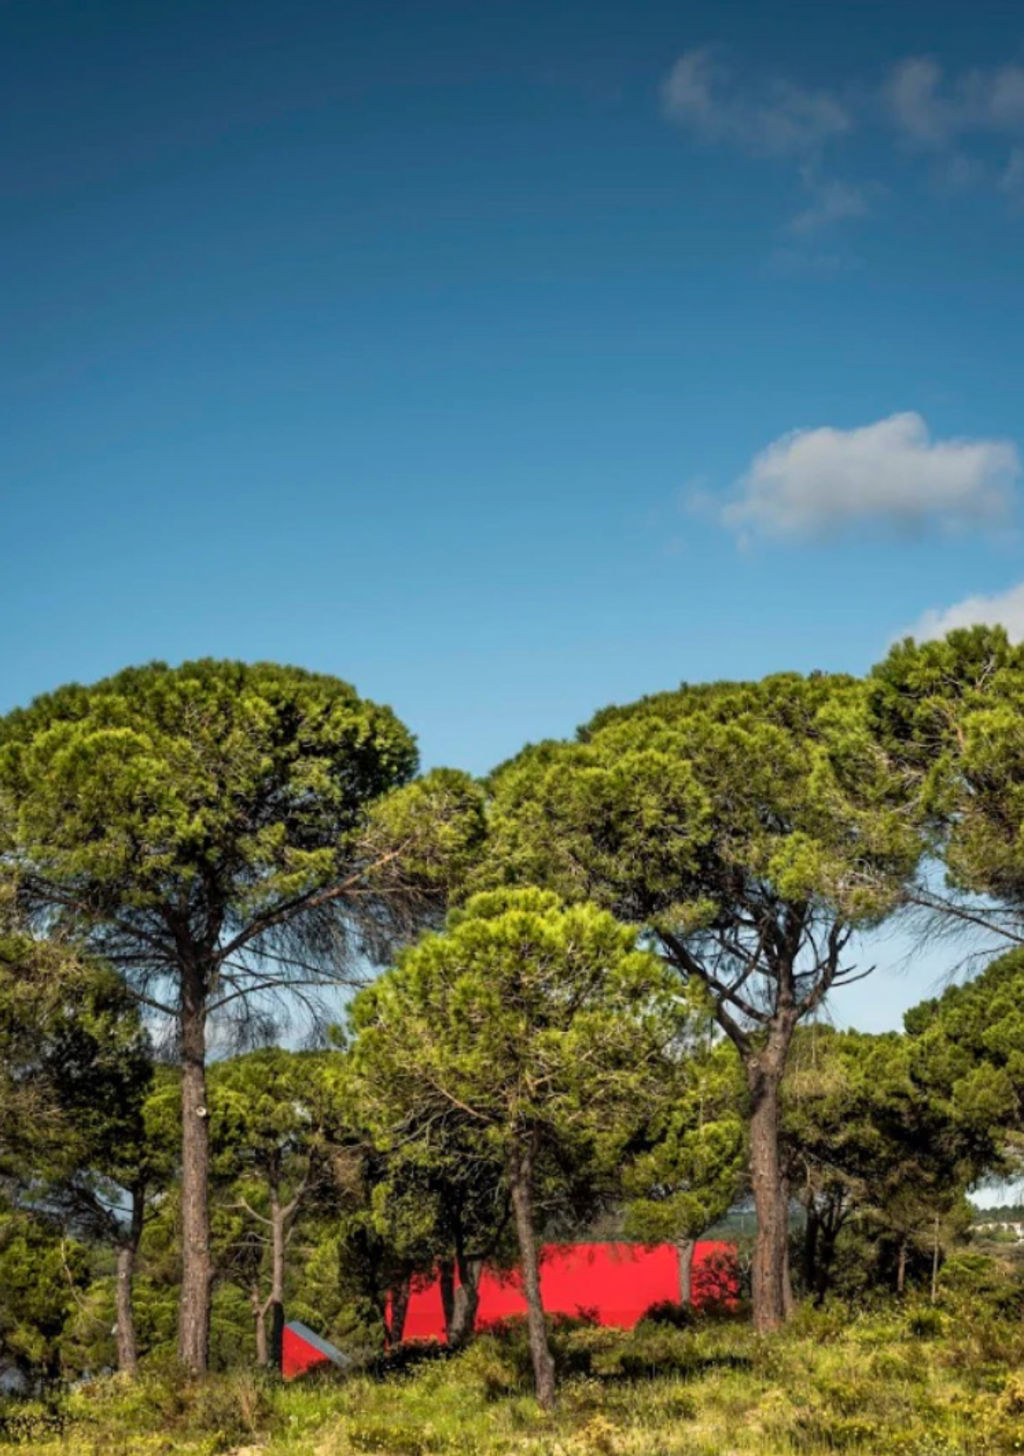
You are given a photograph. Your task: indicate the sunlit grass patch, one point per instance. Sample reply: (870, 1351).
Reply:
(892, 1382)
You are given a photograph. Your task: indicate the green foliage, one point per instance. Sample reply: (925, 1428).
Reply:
(253, 778)
(524, 1016)
(74, 1147)
(749, 829)
(205, 829)
(876, 1131)
(949, 714)
(973, 1038)
(42, 1272)
(688, 1169)
(75, 1066)
(668, 803)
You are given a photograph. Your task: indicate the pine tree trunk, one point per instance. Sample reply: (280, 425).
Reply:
(901, 1268)
(259, 1311)
(400, 1293)
(788, 1302)
(466, 1302)
(277, 1249)
(769, 1274)
(194, 1312)
(127, 1348)
(446, 1279)
(521, 1190)
(684, 1251)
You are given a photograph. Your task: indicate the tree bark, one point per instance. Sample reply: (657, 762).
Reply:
(127, 1347)
(259, 1310)
(446, 1279)
(788, 1302)
(684, 1252)
(196, 1267)
(278, 1220)
(769, 1275)
(400, 1293)
(901, 1268)
(465, 1303)
(521, 1189)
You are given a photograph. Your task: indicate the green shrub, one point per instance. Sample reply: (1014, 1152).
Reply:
(974, 1285)
(22, 1421)
(668, 1312)
(496, 1366)
(225, 1410)
(925, 1323)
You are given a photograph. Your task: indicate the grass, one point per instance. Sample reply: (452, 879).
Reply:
(908, 1381)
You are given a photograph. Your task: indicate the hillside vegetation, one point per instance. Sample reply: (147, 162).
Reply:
(912, 1380)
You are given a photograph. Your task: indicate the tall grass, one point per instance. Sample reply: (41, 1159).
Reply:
(912, 1381)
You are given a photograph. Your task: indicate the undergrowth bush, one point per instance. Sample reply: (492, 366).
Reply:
(902, 1380)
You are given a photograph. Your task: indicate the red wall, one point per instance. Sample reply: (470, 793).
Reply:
(615, 1283)
(296, 1356)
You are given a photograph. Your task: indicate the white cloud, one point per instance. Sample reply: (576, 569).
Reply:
(914, 103)
(832, 201)
(772, 118)
(934, 111)
(965, 124)
(1004, 609)
(890, 473)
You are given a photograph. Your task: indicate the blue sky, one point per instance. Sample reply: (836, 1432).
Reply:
(457, 349)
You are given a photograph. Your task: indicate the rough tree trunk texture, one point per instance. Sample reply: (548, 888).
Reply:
(400, 1293)
(127, 1349)
(788, 1302)
(446, 1278)
(520, 1187)
(278, 1232)
(465, 1303)
(769, 1278)
(684, 1251)
(259, 1311)
(901, 1269)
(194, 1312)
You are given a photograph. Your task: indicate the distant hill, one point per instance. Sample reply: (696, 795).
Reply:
(1001, 1213)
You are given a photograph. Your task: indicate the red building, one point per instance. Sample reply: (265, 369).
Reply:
(612, 1283)
(302, 1350)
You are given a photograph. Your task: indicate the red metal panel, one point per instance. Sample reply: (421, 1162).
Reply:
(613, 1283)
(297, 1355)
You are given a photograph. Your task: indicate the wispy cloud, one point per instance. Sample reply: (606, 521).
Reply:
(890, 474)
(1004, 609)
(832, 200)
(774, 117)
(956, 122)
(932, 109)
